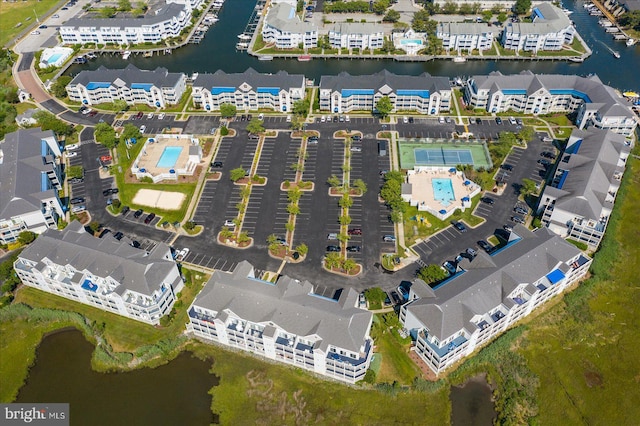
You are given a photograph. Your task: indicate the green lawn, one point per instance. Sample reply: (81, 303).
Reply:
(396, 364)
(21, 12)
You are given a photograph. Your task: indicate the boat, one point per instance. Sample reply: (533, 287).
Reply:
(576, 59)
(612, 30)
(242, 46)
(304, 58)
(630, 42)
(244, 36)
(616, 55)
(126, 54)
(459, 59)
(265, 58)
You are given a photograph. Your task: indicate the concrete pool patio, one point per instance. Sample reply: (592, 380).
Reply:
(167, 157)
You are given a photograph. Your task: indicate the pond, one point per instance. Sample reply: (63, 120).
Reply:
(471, 403)
(172, 394)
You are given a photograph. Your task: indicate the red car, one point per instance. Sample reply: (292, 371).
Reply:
(355, 231)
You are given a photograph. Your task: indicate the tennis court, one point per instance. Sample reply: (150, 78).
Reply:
(442, 153)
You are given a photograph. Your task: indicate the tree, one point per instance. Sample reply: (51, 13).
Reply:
(360, 185)
(380, 6)
(349, 265)
(528, 186)
(465, 9)
(94, 226)
(26, 237)
(449, 8)
(294, 195)
(226, 233)
(334, 181)
(388, 46)
(124, 5)
(502, 17)
(486, 15)
(107, 12)
(434, 45)
(293, 209)
(422, 22)
(345, 220)
(128, 132)
(375, 296)
(522, 6)
(59, 87)
(302, 249)
(431, 273)
(237, 174)
(48, 121)
(384, 106)
(391, 16)
(255, 126)
(526, 133)
(243, 237)
(105, 135)
(75, 172)
(301, 107)
(296, 122)
(345, 201)
(228, 110)
(332, 260)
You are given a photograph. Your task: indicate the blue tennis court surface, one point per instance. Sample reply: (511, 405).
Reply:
(439, 156)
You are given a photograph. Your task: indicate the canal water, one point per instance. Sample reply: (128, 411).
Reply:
(217, 51)
(471, 403)
(172, 394)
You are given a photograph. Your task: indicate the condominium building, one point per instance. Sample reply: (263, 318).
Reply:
(102, 272)
(356, 36)
(284, 321)
(595, 104)
(30, 178)
(488, 295)
(157, 88)
(424, 94)
(248, 91)
(285, 30)
(578, 202)
(157, 25)
(550, 28)
(467, 36)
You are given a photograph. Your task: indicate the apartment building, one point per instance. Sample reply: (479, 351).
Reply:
(356, 36)
(578, 202)
(102, 272)
(595, 104)
(285, 29)
(157, 89)
(488, 295)
(550, 28)
(30, 177)
(423, 94)
(248, 91)
(483, 4)
(285, 322)
(166, 21)
(467, 36)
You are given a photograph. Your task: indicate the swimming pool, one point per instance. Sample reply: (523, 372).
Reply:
(54, 58)
(443, 191)
(411, 41)
(169, 157)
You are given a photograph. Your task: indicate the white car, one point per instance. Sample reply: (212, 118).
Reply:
(229, 223)
(72, 146)
(161, 116)
(78, 209)
(323, 119)
(72, 154)
(56, 16)
(346, 118)
(182, 254)
(143, 128)
(441, 120)
(150, 115)
(35, 32)
(86, 111)
(405, 120)
(288, 119)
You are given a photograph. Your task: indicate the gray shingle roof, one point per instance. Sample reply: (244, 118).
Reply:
(478, 290)
(165, 13)
(135, 269)
(289, 304)
(464, 28)
(282, 16)
(345, 80)
(21, 171)
(554, 21)
(160, 77)
(357, 28)
(253, 78)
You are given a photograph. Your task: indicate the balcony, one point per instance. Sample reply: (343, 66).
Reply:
(199, 316)
(444, 350)
(342, 359)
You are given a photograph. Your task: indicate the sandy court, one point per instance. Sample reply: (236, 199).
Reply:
(164, 200)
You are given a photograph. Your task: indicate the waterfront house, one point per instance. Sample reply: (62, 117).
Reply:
(578, 202)
(467, 36)
(284, 321)
(488, 295)
(550, 28)
(423, 94)
(157, 88)
(356, 36)
(248, 91)
(595, 104)
(285, 30)
(102, 272)
(31, 176)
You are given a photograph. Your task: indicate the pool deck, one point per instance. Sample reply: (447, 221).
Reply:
(422, 193)
(151, 153)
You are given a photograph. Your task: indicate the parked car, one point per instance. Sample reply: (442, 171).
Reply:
(356, 149)
(362, 301)
(478, 121)
(335, 118)
(498, 120)
(118, 235)
(138, 213)
(487, 200)
(520, 210)
(312, 140)
(517, 219)
(135, 244)
(72, 146)
(396, 297)
(512, 121)
(161, 116)
(333, 248)
(72, 154)
(403, 292)
(229, 223)
(261, 116)
(182, 254)
(143, 128)
(124, 210)
(107, 191)
(150, 115)
(459, 226)
(471, 252)
(544, 162)
(450, 267)
(149, 218)
(389, 239)
(354, 249)
(507, 228)
(485, 246)
(139, 115)
(332, 236)
(507, 167)
(356, 138)
(76, 180)
(355, 231)
(36, 32)
(216, 165)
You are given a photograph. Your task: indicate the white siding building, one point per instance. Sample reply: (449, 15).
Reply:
(248, 91)
(424, 94)
(30, 178)
(550, 29)
(356, 36)
(156, 26)
(579, 201)
(488, 295)
(484, 4)
(102, 272)
(596, 104)
(283, 28)
(285, 322)
(465, 36)
(158, 88)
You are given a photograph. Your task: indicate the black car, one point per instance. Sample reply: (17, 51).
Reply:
(149, 218)
(547, 154)
(485, 246)
(104, 232)
(135, 244)
(333, 248)
(138, 213)
(507, 167)
(411, 120)
(498, 120)
(544, 162)
(216, 164)
(356, 138)
(478, 121)
(107, 192)
(354, 249)
(517, 219)
(396, 297)
(114, 190)
(243, 117)
(487, 200)
(459, 226)
(249, 117)
(520, 210)
(335, 118)
(118, 235)
(77, 200)
(124, 210)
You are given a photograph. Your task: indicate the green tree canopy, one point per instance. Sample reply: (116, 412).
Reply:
(48, 121)
(522, 6)
(105, 135)
(228, 110)
(502, 17)
(129, 131)
(59, 87)
(26, 237)
(302, 249)
(107, 12)
(301, 107)
(124, 5)
(380, 6)
(449, 8)
(384, 106)
(255, 126)
(237, 174)
(392, 16)
(486, 15)
(423, 23)
(431, 273)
